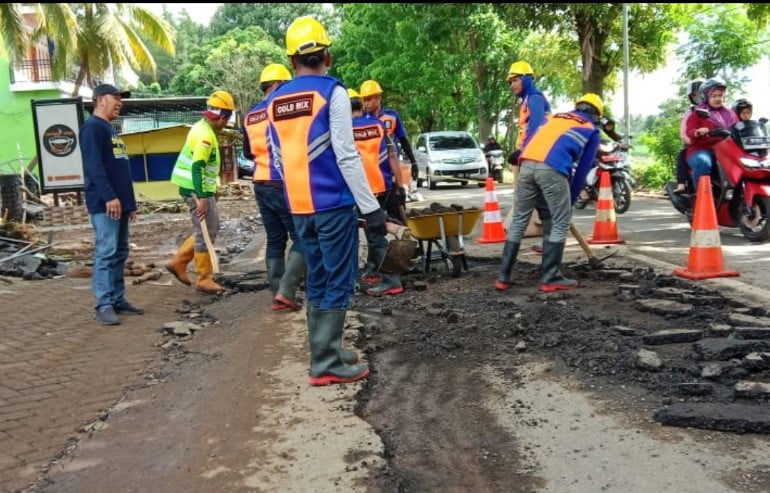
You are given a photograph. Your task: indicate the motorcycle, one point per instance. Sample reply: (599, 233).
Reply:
(611, 158)
(496, 162)
(740, 180)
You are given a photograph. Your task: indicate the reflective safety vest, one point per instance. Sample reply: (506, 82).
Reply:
(201, 145)
(560, 141)
(255, 124)
(523, 117)
(369, 135)
(298, 112)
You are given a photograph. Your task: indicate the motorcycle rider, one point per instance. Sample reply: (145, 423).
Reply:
(744, 109)
(682, 170)
(700, 156)
(492, 145)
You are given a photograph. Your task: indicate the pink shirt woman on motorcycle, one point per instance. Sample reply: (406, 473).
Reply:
(700, 154)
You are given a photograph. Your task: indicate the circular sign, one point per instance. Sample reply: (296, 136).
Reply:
(60, 140)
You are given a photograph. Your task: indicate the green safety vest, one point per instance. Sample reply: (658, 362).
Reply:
(202, 139)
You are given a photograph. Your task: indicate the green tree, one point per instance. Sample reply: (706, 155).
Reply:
(722, 41)
(55, 20)
(190, 35)
(108, 38)
(447, 61)
(232, 62)
(274, 18)
(14, 36)
(594, 31)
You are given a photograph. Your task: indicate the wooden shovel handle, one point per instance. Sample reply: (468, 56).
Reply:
(583, 243)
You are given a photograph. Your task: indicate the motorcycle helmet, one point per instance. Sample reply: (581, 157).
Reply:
(741, 104)
(692, 89)
(710, 84)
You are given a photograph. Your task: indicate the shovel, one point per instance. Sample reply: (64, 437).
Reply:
(593, 261)
(400, 252)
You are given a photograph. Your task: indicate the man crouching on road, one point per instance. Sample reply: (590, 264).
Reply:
(547, 161)
(110, 201)
(311, 136)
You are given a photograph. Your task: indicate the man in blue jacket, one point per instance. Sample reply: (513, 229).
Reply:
(547, 164)
(110, 201)
(533, 111)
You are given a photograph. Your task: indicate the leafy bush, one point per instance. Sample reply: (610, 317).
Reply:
(664, 144)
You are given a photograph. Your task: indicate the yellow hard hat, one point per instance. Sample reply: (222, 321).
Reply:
(222, 100)
(370, 88)
(274, 72)
(352, 93)
(306, 35)
(592, 99)
(520, 68)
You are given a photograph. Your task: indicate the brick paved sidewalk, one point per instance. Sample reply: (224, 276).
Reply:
(59, 369)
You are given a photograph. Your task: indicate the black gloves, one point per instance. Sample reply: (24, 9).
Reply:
(375, 221)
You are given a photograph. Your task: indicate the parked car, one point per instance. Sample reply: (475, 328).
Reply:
(449, 156)
(245, 167)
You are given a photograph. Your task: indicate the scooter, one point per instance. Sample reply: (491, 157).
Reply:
(496, 162)
(740, 180)
(613, 159)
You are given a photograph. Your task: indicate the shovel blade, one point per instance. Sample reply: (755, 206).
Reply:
(398, 256)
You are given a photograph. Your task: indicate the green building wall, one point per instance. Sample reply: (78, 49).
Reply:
(16, 125)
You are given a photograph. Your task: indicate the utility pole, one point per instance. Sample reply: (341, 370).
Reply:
(626, 117)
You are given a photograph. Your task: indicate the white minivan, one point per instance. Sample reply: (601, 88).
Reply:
(449, 156)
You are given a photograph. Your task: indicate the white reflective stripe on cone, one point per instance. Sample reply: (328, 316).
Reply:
(490, 196)
(492, 216)
(605, 193)
(705, 238)
(605, 215)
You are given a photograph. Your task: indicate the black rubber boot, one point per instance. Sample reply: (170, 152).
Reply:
(553, 279)
(275, 270)
(510, 252)
(390, 284)
(286, 297)
(347, 357)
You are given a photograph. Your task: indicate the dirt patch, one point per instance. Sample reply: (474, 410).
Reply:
(428, 349)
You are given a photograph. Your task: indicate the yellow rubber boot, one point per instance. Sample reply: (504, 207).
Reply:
(203, 269)
(178, 265)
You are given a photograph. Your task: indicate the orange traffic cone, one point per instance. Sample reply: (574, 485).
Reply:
(493, 223)
(705, 260)
(605, 226)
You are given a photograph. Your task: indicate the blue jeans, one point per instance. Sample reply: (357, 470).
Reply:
(277, 220)
(700, 162)
(330, 241)
(110, 254)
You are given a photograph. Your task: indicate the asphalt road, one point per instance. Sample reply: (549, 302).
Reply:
(653, 230)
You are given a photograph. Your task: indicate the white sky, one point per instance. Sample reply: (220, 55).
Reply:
(646, 92)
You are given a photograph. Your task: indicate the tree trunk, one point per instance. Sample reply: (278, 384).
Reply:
(480, 70)
(593, 39)
(78, 82)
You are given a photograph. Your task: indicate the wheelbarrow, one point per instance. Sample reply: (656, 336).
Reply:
(444, 231)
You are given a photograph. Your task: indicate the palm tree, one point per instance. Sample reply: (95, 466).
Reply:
(108, 39)
(14, 36)
(56, 20)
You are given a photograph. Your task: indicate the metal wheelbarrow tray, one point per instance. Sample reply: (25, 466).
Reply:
(441, 229)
